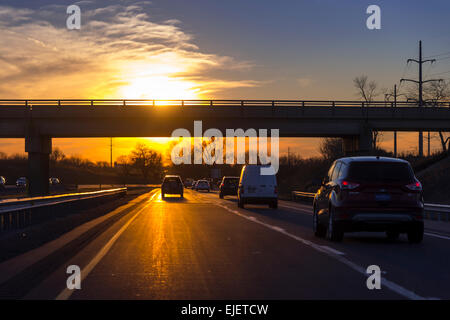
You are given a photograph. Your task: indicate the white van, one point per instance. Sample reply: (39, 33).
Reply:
(255, 188)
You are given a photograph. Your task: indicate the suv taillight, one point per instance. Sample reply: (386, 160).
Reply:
(347, 185)
(415, 186)
(241, 187)
(275, 189)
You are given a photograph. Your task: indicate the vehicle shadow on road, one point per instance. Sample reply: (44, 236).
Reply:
(174, 199)
(305, 221)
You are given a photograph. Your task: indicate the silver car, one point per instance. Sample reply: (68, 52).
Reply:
(2, 183)
(21, 182)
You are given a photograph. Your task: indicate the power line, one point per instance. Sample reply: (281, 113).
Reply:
(435, 74)
(405, 71)
(438, 55)
(445, 58)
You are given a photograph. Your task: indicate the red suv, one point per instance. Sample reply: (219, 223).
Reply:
(369, 194)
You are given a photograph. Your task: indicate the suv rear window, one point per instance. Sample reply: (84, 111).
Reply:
(231, 181)
(380, 171)
(172, 179)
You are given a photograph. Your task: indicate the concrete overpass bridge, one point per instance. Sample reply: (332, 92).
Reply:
(38, 121)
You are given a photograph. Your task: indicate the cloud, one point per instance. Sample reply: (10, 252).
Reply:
(118, 46)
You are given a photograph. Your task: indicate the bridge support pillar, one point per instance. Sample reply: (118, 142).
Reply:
(39, 149)
(358, 145)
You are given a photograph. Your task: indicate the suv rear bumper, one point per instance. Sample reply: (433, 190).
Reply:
(259, 200)
(357, 220)
(229, 192)
(171, 191)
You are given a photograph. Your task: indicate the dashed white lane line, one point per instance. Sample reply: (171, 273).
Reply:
(437, 235)
(332, 250)
(324, 249)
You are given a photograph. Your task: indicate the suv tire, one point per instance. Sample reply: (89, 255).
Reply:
(319, 230)
(334, 232)
(415, 233)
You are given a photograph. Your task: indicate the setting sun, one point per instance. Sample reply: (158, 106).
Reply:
(159, 87)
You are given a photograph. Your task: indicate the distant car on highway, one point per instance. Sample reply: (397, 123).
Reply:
(188, 183)
(54, 181)
(255, 188)
(22, 182)
(203, 185)
(369, 194)
(172, 184)
(2, 183)
(228, 186)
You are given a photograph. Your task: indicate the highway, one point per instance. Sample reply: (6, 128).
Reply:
(202, 247)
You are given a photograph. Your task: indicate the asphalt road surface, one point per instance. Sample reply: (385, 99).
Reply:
(202, 247)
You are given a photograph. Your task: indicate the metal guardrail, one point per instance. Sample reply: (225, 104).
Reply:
(210, 103)
(438, 212)
(17, 213)
(300, 194)
(432, 211)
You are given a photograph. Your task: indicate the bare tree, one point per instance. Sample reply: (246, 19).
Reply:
(147, 161)
(124, 163)
(433, 93)
(367, 90)
(57, 155)
(332, 148)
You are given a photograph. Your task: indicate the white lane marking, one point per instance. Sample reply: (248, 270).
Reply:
(389, 284)
(437, 235)
(155, 195)
(303, 210)
(66, 293)
(332, 250)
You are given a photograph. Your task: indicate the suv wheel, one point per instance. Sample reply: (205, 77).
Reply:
(240, 203)
(334, 232)
(273, 204)
(319, 229)
(415, 234)
(220, 195)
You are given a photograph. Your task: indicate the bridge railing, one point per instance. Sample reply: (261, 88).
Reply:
(432, 211)
(211, 103)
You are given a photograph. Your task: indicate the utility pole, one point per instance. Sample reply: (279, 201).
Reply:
(395, 132)
(289, 157)
(110, 151)
(420, 62)
(429, 153)
(386, 97)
